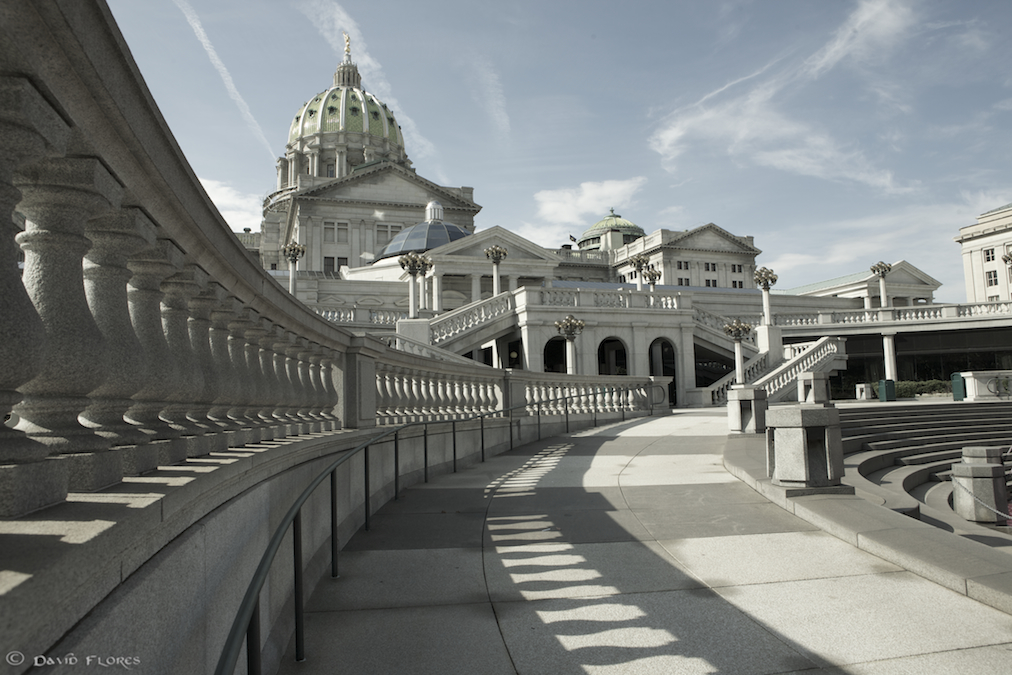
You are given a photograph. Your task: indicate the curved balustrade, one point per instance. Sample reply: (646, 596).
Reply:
(559, 297)
(754, 367)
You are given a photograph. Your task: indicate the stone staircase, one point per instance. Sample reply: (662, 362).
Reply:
(901, 455)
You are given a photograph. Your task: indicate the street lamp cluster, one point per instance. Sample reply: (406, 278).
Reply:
(496, 254)
(764, 278)
(737, 330)
(414, 264)
(569, 328)
(639, 262)
(293, 252)
(881, 269)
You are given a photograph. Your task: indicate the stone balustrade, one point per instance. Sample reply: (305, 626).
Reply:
(937, 316)
(823, 354)
(452, 324)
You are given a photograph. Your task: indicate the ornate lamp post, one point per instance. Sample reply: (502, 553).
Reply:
(569, 328)
(882, 269)
(764, 278)
(414, 264)
(652, 276)
(1007, 259)
(293, 252)
(737, 330)
(639, 262)
(496, 254)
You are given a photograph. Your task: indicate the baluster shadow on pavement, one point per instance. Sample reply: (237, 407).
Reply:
(627, 549)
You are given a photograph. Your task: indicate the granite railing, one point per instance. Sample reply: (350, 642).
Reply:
(556, 394)
(454, 323)
(916, 314)
(825, 353)
(363, 315)
(754, 368)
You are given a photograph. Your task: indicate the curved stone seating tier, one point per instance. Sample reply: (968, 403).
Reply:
(894, 452)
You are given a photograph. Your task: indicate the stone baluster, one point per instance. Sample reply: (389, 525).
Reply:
(114, 237)
(319, 394)
(382, 394)
(199, 326)
(439, 397)
(288, 372)
(150, 267)
(401, 395)
(29, 129)
(417, 399)
(328, 367)
(179, 289)
(459, 399)
(59, 196)
(226, 370)
(279, 391)
(307, 394)
(244, 347)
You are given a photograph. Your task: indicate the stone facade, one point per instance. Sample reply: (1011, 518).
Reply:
(986, 275)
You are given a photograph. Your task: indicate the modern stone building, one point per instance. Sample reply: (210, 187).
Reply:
(984, 245)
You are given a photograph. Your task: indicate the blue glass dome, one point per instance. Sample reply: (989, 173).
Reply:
(424, 236)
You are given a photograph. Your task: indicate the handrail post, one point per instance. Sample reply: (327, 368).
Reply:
(453, 434)
(333, 525)
(425, 451)
(397, 464)
(365, 472)
(565, 401)
(300, 619)
(253, 642)
(539, 419)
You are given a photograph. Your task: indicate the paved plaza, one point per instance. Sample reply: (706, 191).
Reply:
(628, 549)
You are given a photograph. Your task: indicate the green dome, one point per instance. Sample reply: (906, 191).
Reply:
(610, 223)
(346, 108)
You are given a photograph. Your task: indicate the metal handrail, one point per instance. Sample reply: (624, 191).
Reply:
(247, 620)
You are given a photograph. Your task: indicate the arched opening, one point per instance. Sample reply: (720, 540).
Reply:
(611, 358)
(555, 355)
(662, 364)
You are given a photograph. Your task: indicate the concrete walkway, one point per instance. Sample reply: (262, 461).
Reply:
(627, 549)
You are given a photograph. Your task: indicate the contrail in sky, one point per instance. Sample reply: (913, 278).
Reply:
(198, 30)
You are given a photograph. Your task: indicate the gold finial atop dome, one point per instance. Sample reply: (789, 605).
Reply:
(347, 46)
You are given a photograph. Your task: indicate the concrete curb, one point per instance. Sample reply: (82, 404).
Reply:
(953, 561)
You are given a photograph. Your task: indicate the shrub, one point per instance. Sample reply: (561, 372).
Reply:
(907, 389)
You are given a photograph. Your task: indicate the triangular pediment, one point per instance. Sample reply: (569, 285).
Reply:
(390, 183)
(709, 237)
(518, 247)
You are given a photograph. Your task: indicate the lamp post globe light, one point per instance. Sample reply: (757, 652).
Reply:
(414, 264)
(737, 330)
(881, 269)
(496, 254)
(764, 278)
(652, 276)
(639, 261)
(293, 252)
(569, 328)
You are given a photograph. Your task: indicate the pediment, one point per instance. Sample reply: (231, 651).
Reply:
(474, 246)
(388, 183)
(711, 238)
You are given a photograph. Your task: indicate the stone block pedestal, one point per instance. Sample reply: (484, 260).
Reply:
(746, 409)
(978, 489)
(804, 450)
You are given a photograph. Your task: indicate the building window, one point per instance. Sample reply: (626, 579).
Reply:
(328, 233)
(342, 262)
(274, 266)
(992, 298)
(342, 233)
(330, 171)
(328, 264)
(988, 254)
(706, 268)
(992, 277)
(736, 284)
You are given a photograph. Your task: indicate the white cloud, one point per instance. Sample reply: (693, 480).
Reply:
(568, 206)
(330, 19)
(240, 210)
(226, 77)
(488, 93)
(742, 120)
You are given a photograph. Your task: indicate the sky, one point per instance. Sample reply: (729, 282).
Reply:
(837, 134)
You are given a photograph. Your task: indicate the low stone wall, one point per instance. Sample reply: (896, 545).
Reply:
(154, 569)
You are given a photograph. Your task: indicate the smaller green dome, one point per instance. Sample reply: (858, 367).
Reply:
(610, 223)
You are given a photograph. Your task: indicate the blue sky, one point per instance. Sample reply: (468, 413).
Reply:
(836, 133)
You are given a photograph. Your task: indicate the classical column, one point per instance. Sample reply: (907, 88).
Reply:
(60, 195)
(115, 237)
(29, 129)
(512, 281)
(437, 291)
(889, 349)
(475, 287)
